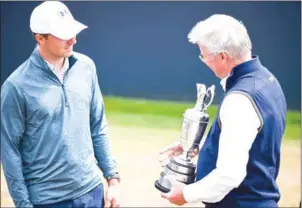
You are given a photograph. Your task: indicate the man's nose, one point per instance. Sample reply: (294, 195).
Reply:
(72, 41)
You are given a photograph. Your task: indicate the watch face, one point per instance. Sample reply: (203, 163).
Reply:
(116, 176)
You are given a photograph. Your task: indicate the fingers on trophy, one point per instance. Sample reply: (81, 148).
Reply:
(194, 125)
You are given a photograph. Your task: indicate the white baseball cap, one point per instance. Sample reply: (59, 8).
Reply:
(53, 17)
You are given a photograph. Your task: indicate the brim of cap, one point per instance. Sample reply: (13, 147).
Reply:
(67, 30)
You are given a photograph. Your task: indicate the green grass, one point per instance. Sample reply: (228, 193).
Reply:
(168, 114)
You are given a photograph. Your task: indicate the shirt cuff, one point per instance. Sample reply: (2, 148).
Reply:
(110, 172)
(189, 193)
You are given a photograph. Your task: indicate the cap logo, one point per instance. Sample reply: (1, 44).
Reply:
(62, 13)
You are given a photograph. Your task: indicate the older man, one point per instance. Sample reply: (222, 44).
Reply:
(239, 161)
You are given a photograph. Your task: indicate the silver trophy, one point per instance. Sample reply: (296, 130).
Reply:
(195, 121)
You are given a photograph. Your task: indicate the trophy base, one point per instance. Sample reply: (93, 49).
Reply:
(181, 168)
(162, 184)
(182, 165)
(161, 188)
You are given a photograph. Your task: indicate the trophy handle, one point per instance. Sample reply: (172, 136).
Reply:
(210, 93)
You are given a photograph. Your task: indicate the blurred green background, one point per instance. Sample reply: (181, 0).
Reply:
(168, 115)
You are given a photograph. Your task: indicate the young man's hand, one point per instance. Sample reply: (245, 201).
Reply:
(113, 196)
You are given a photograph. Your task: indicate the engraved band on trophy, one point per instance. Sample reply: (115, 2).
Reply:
(195, 121)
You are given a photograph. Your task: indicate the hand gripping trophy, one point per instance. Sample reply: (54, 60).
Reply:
(194, 125)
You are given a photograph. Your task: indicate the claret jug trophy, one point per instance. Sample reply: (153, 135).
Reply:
(194, 125)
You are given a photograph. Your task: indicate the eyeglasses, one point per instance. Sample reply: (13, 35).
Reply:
(202, 58)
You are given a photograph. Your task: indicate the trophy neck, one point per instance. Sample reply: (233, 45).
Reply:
(199, 106)
(200, 102)
(185, 157)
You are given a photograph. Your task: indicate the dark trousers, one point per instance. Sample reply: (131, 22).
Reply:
(92, 199)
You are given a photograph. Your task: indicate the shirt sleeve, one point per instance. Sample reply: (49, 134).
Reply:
(99, 131)
(12, 128)
(239, 128)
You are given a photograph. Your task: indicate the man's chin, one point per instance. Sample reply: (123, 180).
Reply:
(68, 54)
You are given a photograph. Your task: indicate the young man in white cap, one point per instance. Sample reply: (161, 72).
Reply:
(54, 140)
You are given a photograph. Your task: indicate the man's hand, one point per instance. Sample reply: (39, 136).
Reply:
(173, 150)
(175, 196)
(113, 198)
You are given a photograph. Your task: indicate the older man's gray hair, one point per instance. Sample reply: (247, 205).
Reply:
(222, 33)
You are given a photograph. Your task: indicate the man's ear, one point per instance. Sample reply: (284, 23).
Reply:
(40, 38)
(224, 56)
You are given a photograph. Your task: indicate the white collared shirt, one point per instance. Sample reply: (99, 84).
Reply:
(57, 71)
(240, 123)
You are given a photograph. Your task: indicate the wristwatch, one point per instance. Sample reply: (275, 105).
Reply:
(114, 176)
